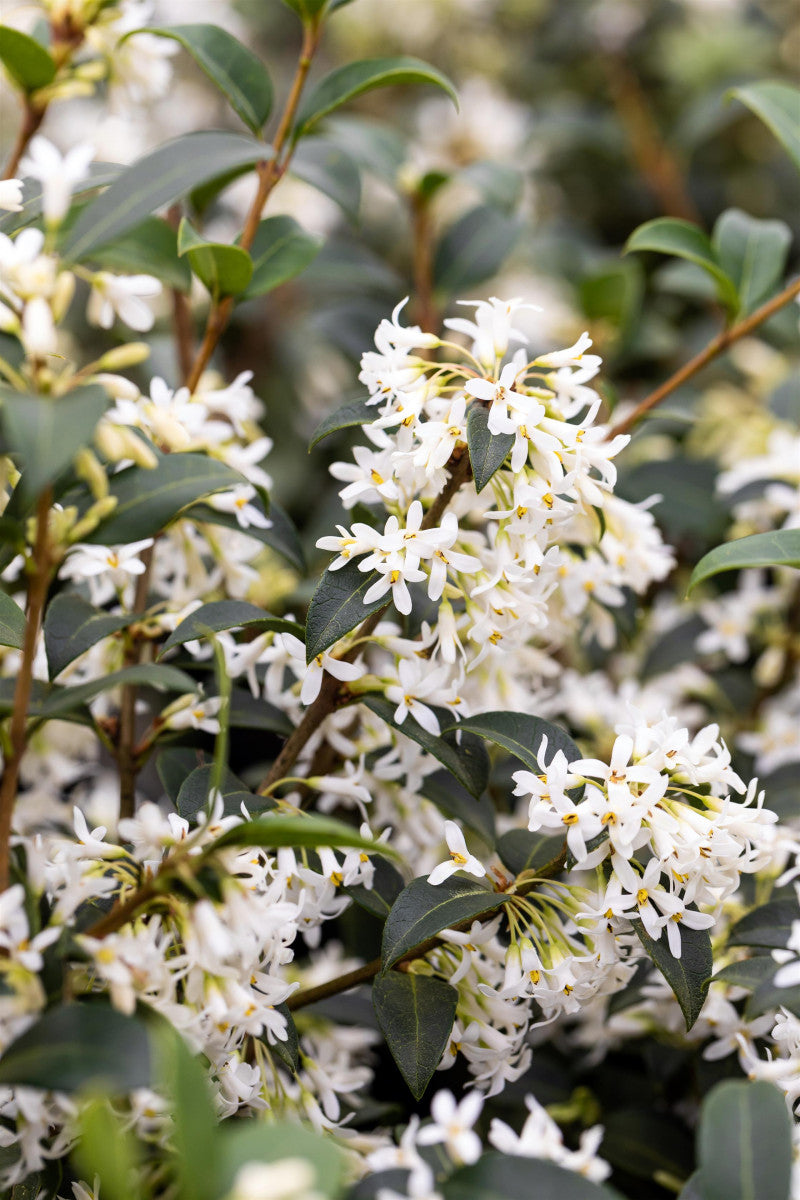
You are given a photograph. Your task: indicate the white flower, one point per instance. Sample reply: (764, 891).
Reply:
(285, 1179)
(460, 857)
(193, 712)
(122, 295)
(452, 1124)
(237, 502)
(11, 195)
(57, 175)
(87, 562)
(491, 331)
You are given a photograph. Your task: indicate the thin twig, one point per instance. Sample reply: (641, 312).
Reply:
(126, 757)
(714, 348)
(32, 119)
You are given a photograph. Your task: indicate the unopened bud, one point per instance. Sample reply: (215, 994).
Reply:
(94, 70)
(129, 355)
(89, 468)
(117, 385)
(118, 442)
(62, 294)
(96, 513)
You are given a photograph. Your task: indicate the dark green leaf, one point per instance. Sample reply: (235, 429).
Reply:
(25, 59)
(357, 412)
(512, 1177)
(487, 451)
(522, 736)
(330, 169)
(682, 239)
(12, 623)
(355, 78)
(520, 850)
(456, 802)
(60, 700)
(152, 248)
(779, 547)
(45, 433)
(274, 830)
(753, 253)
(415, 1014)
(778, 106)
(769, 925)
(193, 1130)
(645, 1144)
(224, 270)
(72, 626)
(237, 72)
(227, 614)
(248, 712)
(194, 792)
(474, 249)
(745, 1143)
(337, 606)
(173, 765)
(689, 975)
(749, 973)
(281, 536)
(158, 178)
(106, 1151)
(462, 753)
(387, 884)
(147, 500)
(78, 1046)
(422, 911)
(281, 249)
(768, 997)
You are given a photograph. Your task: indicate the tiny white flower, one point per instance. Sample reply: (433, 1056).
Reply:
(57, 174)
(460, 857)
(11, 195)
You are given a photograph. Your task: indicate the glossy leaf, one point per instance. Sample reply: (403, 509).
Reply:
(779, 547)
(280, 536)
(12, 622)
(225, 270)
(147, 500)
(72, 626)
(487, 451)
(158, 178)
(194, 793)
(337, 606)
(521, 735)
(462, 753)
(44, 433)
(474, 249)
(163, 678)
(26, 60)
(769, 925)
(452, 799)
(355, 78)
(753, 253)
(281, 249)
(349, 416)
(150, 248)
(415, 1014)
(98, 174)
(227, 614)
(682, 239)
(514, 1176)
(387, 884)
(778, 106)
(748, 973)
(744, 1143)
(232, 67)
(78, 1046)
(422, 911)
(248, 712)
(520, 850)
(328, 167)
(689, 975)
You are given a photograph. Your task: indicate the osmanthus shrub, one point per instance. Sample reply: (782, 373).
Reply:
(482, 755)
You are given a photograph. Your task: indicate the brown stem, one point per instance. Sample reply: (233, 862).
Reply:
(126, 757)
(32, 119)
(714, 348)
(37, 595)
(269, 173)
(426, 312)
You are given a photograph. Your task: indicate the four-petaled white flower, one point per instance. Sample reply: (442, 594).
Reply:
(460, 858)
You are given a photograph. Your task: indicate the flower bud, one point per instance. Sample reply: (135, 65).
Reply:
(96, 513)
(89, 468)
(118, 442)
(129, 355)
(62, 294)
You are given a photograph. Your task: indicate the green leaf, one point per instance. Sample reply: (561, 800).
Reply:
(474, 249)
(415, 1014)
(512, 1176)
(225, 270)
(79, 1046)
(281, 249)
(462, 753)
(60, 700)
(422, 911)
(12, 623)
(487, 451)
(281, 536)
(237, 72)
(645, 1143)
(354, 79)
(327, 167)
(99, 174)
(689, 975)
(258, 1142)
(72, 626)
(745, 1143)
(778, 106)
(45, 433)
(682, 239)
(769, 925)
(25, 59)
(753, 253)
(158, 178)
(147, 500)
(779, 547)
(520, 850)
(227, 614)
(768, 997)
(107, 1151)
(749, 973)
(194, 792)
(337, 606)
(522, 736)
(247, 712)
(274, 830)
(151, 247)
(387, 884)
(457, 803)
(193, 1132)
(356, 412)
